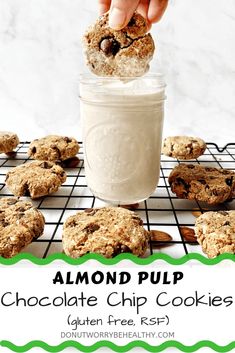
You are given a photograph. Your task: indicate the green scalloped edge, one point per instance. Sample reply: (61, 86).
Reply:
(139, 261)
(101, 344)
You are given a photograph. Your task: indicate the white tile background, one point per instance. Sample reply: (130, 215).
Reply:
(41, 58)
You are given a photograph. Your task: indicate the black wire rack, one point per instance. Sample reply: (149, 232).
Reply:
(163, 211)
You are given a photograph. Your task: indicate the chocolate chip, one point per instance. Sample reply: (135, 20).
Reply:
(138, 219)
(33, 150)
(190, 166)
(21, 209)
(91, 228)
(45, 165)
(72, 223)
(202, 181)
(56, 149)
(132, 206)
(227, 223)
(62, 174)
(223, 213)
(229, 181)
(12, 202)
(70, 163)
(4, 223)
(131, 22)
(90, 211)
(224, 171)
(67, 140)
(182, 182)
(109, 46)
(26, 191)
(208, 169)
(11, 154)
(121, 248)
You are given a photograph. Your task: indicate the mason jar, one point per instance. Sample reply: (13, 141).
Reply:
(122, 123)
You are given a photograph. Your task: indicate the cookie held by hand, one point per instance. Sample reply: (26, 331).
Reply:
(123, 53)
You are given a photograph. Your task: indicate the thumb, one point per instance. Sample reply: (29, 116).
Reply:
(121, 12)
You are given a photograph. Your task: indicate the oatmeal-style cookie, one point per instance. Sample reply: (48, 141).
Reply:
(8, 141)
(183, 147)
(108, 231)
(20, 223)
(196, 182)
(123, 53)
(35, 179)
(215, 232)
(53, 148)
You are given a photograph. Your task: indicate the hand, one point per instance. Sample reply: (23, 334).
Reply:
(121, 11)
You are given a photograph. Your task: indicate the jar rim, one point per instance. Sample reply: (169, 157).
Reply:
(89, 78)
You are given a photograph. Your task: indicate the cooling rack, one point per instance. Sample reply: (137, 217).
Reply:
(162, 211)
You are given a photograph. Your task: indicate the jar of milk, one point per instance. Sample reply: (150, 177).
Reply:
(122, 135)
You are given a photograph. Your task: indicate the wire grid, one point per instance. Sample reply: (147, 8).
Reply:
(162, 211)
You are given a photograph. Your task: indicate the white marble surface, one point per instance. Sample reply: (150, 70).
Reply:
(41, 58)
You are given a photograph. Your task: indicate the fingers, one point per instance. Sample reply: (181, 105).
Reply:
(121, 12)
(156, 10)
(104, 6)
(143, 8)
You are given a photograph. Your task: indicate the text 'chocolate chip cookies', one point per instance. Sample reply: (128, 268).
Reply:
(107, 231)
(20, 223)
(35, 179)
(123, 53)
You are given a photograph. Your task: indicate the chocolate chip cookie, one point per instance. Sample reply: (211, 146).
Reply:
(123, 53)
(215, 232)
(35, 179)
(196, 182)
(20, 223)
(108, 231)
(183, 147)
(8, 141)
(53, 148)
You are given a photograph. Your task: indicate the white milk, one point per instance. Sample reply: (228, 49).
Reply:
(122, 136)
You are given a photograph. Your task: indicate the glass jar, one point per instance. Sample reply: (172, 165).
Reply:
(122, 135)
